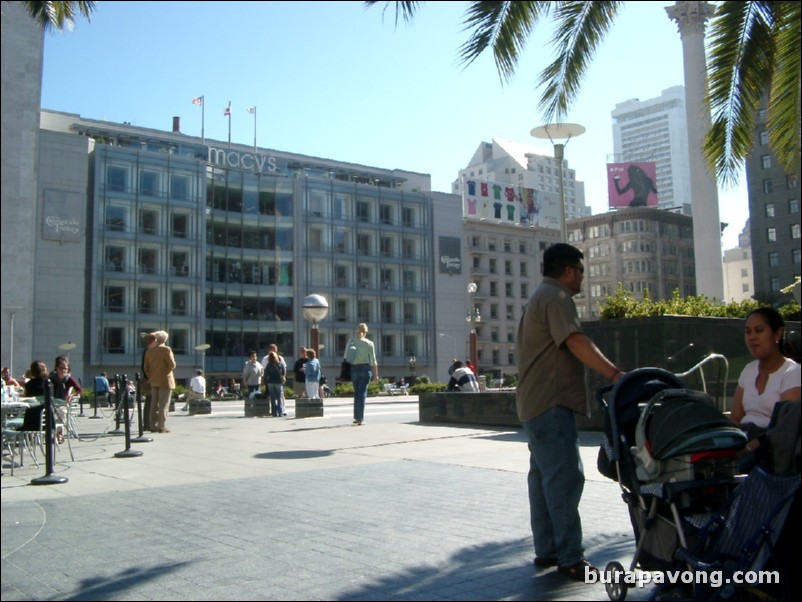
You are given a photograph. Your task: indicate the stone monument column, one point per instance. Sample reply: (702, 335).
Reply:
(691, 17)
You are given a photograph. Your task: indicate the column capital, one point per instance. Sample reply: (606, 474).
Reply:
(690, 15)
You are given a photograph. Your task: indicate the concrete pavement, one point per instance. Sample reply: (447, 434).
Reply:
(232, 508)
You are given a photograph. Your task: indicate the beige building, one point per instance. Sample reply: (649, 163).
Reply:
(641, 248)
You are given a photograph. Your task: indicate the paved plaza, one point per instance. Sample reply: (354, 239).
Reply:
(232, 508)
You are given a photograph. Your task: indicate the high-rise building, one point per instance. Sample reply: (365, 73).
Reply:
(739, 283)
(655, 131)
(774, 217)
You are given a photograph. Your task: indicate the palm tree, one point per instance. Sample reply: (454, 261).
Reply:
(58, 15)
(754, 53)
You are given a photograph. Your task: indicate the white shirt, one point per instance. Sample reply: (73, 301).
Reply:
(198, 384)
(759, 406)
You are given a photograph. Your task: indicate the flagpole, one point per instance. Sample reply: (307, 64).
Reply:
(229, 124)
(203, 119)
(254, 128)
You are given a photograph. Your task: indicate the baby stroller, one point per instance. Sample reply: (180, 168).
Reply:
(756, 532)
(674, 456)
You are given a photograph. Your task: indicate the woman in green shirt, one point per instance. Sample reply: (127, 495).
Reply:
(362, 355)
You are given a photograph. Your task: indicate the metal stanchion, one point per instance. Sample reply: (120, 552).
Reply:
(141, 438)
(81, 400)
(117, 406)
(94, 416)
(50, 477)
(127, 452)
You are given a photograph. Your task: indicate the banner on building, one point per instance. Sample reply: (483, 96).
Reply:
(62, 216)
(507, 203)
(450, 249)
(632, 185)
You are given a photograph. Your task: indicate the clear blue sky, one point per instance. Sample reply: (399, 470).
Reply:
(337, 80)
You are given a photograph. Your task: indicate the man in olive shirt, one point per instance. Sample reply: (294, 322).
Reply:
(552, 352)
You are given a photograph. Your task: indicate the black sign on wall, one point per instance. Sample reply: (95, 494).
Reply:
(450, 251)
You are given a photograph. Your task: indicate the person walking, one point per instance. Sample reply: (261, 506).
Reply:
(551, 349)
(361, 352)
(159, 364)
(312, 375)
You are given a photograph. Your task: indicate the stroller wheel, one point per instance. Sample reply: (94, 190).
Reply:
(616, 587)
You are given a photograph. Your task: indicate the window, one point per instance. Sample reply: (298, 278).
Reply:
(180, 225)
(774, 284)
(793, 205)
(795, 231)
(113, 340)
(115, 218)
(493, 289)
(765, 161)
(764, 138)
(178, 303)
(771, 234)
(114, 299)
(386, 214)
(364, 276)
(388, 312)
(149, 183)
(507, 267)
(769, 209)
(795, 256)
(524, 290)
(115, 259)
(508, 289)
(774, 259)
(148, 221)
(409, 280)
(767, 187)
(148, 260)
(178, 341)
(386, 246)
(523, 270)
(179, 262)
(492, 265)
(116, 178)
(408, 217)
(179, 188)
(410, 313)
(363, 244)
(362, 211)
(791, 181)
(408, 248)
(388, 345)
(341, 310)
(387, 279)
(744, 273)
(363, 311)
(146, 301)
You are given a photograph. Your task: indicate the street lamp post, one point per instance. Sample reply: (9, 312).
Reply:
(473, 317)
(203, 348)
(559, 131)
(315, 308)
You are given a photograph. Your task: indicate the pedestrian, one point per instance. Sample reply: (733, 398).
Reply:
(463, 379)
(159, 365)
(102, 389)
(149, 340)
(252, 374)
(299, 386)
(312, 375)
(551, 349)
(274, 348)
(274, 380)
(362, 355)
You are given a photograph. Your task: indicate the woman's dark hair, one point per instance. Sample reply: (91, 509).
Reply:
(775, 322)
(38, 369)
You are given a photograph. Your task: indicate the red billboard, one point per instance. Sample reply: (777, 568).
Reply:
(632, 184)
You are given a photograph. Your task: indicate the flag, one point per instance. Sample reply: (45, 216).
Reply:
(227, 111)
(198, 100)
(251, 109)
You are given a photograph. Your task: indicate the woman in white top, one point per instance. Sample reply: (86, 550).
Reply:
(770, 378)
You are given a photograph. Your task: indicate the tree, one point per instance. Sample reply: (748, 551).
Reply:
(754, 52)
(58, 15)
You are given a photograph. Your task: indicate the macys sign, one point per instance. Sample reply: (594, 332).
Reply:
(237, 160)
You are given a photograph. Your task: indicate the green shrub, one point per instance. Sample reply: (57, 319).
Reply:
(624, 305)
(427, 387)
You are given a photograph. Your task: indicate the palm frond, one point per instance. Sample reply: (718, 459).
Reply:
(59, 14)
(404, 9)
(739, 73)
(784, 97)
(504, 26)
(581, 27)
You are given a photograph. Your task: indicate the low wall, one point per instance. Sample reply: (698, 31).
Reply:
(492, 408)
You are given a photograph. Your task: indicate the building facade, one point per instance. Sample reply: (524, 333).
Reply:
(655, 131)
(219, 245)
(639, 249)
(774, 217)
